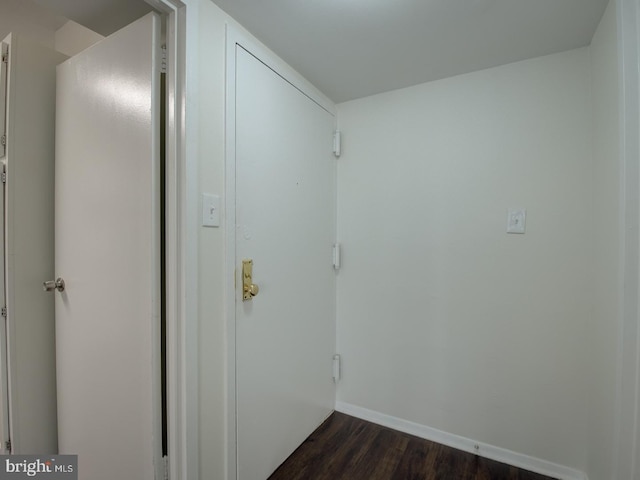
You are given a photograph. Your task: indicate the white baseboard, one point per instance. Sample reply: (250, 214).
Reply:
(519, 460)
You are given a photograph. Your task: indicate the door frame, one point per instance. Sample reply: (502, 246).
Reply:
(4, 354)
(4, 344)
(180, 256)
(627, 411)
(237, 37)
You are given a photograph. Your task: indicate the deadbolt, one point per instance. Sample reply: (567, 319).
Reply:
(249, 289)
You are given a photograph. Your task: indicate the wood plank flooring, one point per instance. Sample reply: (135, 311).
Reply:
(347, 448)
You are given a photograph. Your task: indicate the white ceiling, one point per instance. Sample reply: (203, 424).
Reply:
(354, 48)
(101, 16)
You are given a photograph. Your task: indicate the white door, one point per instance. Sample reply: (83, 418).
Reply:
(28, 235)
(285, 216)
(107, 253)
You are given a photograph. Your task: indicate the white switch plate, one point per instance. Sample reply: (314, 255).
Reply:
(210, 210)
(516, 220)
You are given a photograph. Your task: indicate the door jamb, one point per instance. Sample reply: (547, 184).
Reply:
(5, 421)
(182, 407)
(627, 411)
(235, 36)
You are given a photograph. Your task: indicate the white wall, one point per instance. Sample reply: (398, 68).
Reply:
(443, 318)
(72, 38)
(30, 21)
(606, 232)
(211, 335)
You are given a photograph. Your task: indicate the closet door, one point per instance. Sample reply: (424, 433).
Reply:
(107, 251)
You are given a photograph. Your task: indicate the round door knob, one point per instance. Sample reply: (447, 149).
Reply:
(252, 289)
(50, 285)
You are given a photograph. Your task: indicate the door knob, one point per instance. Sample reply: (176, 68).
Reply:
(249, 289)
(57, 284)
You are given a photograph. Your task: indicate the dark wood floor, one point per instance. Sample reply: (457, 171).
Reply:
(348, 448)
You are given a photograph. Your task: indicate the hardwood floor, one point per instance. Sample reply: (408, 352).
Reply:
(348, 448)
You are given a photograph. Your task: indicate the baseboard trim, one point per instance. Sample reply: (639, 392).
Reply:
(509, 457)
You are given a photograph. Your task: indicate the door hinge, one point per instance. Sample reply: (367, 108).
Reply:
(4, 311)
(337, 253)
(336, 368)
(337, 143)
(5, 57)
(3, 177)
(3, 140)
(163, 59)
(7, 445)
(165, 462)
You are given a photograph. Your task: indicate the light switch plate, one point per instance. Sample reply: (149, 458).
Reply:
(516, 220)
(210, 210)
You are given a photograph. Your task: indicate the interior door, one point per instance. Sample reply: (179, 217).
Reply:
(28, 234)
(285, 217)
(107, 252)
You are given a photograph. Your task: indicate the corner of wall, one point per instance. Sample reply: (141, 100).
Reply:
(607, 237)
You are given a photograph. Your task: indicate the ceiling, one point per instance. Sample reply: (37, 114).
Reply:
(101, 16)
(354, 48)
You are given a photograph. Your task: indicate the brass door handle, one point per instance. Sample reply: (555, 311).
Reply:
(249, 289)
